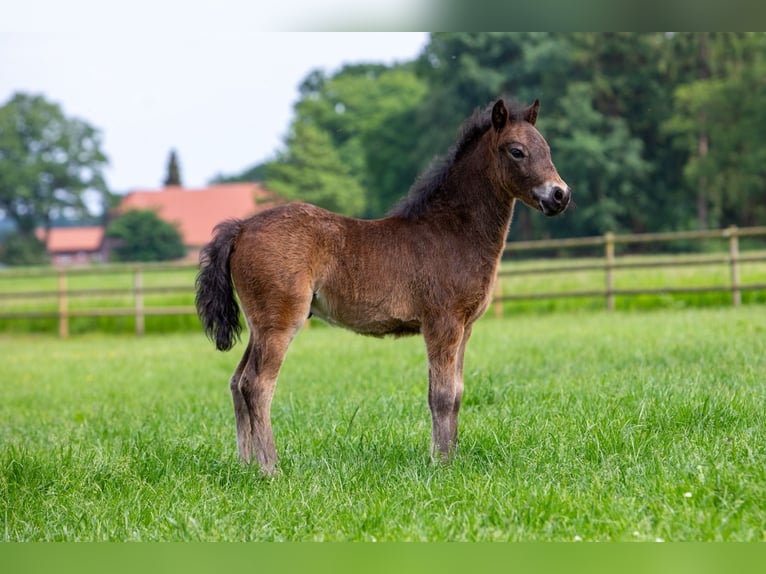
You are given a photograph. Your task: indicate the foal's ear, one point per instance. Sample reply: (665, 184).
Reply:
(499, 115)
(530, 114)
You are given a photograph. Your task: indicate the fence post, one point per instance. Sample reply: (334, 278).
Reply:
(63, 305)
(736, 294)
(138, 294)
(609, 267)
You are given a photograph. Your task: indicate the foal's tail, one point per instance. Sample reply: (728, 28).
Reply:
(216, 305)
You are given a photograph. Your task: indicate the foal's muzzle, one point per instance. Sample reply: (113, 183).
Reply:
(553, 198)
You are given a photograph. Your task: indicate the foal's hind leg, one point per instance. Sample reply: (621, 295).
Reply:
(255, 389)
(242, 374)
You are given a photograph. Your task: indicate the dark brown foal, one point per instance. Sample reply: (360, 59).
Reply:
(428, 267)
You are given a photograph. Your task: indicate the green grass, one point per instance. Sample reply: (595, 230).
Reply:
(574, 426)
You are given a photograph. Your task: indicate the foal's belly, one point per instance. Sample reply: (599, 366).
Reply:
(362, 319)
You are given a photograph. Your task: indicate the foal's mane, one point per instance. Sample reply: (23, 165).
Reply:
(428, 184)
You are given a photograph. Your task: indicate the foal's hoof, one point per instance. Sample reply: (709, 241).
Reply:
(268, 469)
(442, 457)
(269, 472)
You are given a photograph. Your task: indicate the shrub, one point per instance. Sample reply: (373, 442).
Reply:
(140, 235)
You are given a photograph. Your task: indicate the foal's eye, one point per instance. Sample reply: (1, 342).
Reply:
(516, 153)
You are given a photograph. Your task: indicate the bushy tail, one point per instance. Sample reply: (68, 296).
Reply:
(216, 305)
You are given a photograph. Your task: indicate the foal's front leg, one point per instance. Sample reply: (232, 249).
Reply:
(459, 385)
(444, 344)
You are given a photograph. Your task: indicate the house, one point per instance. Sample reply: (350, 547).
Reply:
(75, 245)
(195, 212)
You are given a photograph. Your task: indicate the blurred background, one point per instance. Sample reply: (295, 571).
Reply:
(126, 136)
(655, 131)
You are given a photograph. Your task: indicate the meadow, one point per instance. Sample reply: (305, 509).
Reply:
(575, 426)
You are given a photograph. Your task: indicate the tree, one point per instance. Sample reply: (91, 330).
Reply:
(719, 121)
(140, 235)
(17, 249)
(605, 131)
(393, 162)
(48, 163)
(174, 172)
(311, 170)
(357, 107)
(601, 161)
(256, 172)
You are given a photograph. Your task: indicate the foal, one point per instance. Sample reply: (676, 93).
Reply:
(428, 267)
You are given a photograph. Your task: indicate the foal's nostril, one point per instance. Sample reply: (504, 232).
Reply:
(554, 199)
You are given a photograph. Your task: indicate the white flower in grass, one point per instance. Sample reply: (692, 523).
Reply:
(660, 540)
(577, 538)
(687, 494)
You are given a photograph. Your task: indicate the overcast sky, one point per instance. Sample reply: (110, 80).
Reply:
(221, 95)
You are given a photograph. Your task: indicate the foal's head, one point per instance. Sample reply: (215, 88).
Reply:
(522, 160)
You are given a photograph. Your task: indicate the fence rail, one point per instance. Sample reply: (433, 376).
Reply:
(61, 296)
(610, 264)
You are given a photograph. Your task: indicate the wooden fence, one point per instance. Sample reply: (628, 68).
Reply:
(609, 263)
(63, 295)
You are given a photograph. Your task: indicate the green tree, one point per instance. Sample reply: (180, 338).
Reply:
(718, 122)
(602, 161)
(48, 163)
(17, 249)
(140, 235)
(311, 170)
(605, 134)
(356, 108)
(730, 176)
(256, 172)
(173, 176)
(393, 161)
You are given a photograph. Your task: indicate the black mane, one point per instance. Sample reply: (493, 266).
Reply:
(428, 184)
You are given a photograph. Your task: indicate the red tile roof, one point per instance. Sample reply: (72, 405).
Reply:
(197, 211)
(73, 239)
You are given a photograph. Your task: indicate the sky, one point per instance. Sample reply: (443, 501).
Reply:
(220, 94)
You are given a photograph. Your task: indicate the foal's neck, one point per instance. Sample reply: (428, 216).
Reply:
(481, 207)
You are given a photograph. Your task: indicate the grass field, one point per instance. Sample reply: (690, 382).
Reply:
(586, 426)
